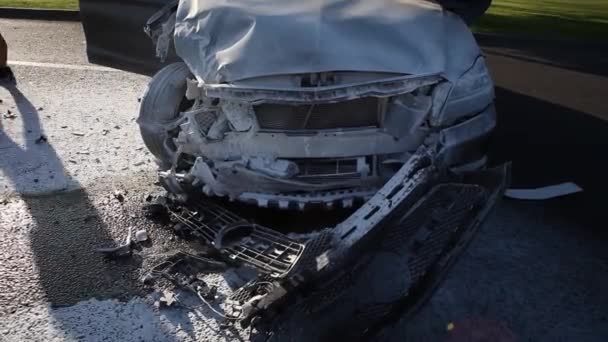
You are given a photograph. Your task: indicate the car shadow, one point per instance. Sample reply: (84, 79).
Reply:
(531, 261)
(550, 144)
(66, 225)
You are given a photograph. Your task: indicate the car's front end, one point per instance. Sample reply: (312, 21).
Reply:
(382, 106)
(323, 120)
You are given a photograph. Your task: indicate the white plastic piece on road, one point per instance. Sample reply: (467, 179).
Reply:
(141, 235)
(544, 193)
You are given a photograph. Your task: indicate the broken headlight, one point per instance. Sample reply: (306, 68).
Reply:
(475, 81)
(469, 95)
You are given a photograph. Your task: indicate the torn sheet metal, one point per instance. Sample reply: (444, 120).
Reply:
(544, 193)
(231, 40)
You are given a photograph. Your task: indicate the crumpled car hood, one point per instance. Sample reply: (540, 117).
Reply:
(224, 41)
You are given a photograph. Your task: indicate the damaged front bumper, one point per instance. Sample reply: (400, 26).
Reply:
(413, 227)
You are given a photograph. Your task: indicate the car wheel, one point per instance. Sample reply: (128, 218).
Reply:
(161, 103)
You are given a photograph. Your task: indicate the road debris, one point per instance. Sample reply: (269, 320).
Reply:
(287, 265)
(79, 134)
(118, 251)
(119, 196)
(544, 193)
(183, 263)
(167, 299)
(41, 139)
(141, 235)
(10, 115)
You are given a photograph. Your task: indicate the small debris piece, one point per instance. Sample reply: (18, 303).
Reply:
(64, 126)
(544, 193)
(128, 239)
(40, 108)
(72, 161)
(79, 134)
(41, 139)
(119, 196)
(117, 127)
(157, 209)
(141, 235)
(139, 163)
(104, 131)
(207, 292)
(168, 298)
(119, 251)
(9, 115)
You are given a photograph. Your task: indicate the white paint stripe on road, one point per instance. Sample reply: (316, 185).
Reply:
(62, 66)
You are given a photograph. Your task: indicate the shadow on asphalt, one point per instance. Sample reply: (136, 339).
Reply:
(587, 57)
(550, 144)
(67, 226)
(536, 270)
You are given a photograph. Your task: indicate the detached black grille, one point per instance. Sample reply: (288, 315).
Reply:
(346, 114)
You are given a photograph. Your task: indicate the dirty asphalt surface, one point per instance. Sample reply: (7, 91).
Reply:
(535, 271)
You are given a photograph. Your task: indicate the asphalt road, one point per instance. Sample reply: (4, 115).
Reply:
(536, 270)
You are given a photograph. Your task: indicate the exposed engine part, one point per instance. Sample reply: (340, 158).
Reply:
(290, 154)
(361, 112)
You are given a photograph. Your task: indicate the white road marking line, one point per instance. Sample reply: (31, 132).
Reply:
(62, 66)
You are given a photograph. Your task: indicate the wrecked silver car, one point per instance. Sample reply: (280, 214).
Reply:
(381, 107)
(291, 104)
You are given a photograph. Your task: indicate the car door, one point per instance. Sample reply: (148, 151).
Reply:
(114, 31)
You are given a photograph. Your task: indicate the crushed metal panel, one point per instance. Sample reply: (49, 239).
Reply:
(225, 41)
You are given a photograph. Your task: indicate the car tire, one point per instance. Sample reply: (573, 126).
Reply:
(161, 103)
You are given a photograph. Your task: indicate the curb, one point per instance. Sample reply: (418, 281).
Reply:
(485, 37)
(39, 14)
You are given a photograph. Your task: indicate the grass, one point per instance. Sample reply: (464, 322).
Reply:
(55, 4)
(585, 19)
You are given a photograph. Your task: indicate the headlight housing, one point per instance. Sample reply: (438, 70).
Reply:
(469, 95)
(474, 82)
